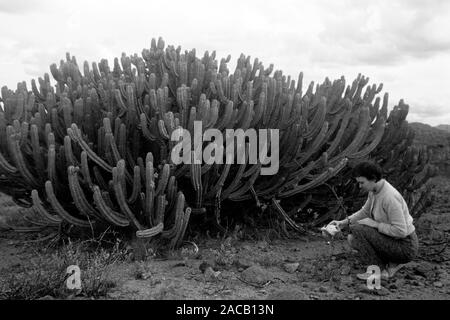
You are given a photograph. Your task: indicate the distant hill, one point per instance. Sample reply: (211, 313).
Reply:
(445, 127)
(430, 136)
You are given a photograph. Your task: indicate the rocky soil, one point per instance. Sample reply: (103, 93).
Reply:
(296, 269)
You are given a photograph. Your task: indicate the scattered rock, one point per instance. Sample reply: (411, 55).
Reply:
(424, 269)
(416, 283)
(211, 275)
(205, 265)
(363, 289)
(323, 289)
(256, 275)
(438, 284)
(291, 267)
(243, 263)
(382, 291)
(393, 286)
(345, 270)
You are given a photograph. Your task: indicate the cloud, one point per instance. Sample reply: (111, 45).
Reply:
(383, 33)
(22, 6)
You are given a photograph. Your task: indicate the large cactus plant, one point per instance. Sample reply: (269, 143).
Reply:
(94, 150)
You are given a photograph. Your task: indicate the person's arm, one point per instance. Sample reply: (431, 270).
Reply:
(397, 226)
(362, 213)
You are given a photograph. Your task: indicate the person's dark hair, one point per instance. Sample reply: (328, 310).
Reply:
(369, 170)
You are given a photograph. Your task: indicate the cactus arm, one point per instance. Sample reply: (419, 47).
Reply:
(342, 128)
(373, 144)
(136, 185)
(149, 189)
(196, 180)
(232, 186)
(68, 153)
(213, 114)
(176, 241)
(39, 162)
(85, 169)
(226, 116)
(359, 137)
(106, 211)
(314, 146)
(247, 185)
(61, 211)
(124, 208)
(39, 208)
(161, 204)
(18, 158)
(178, 223)
(171, 192)
(260, 109)
(163, 179)
(77, 193)
(318, 119)
(5, 166)
(75, 135)
(317, 181)
(66, 106)
(148, 233)
(220, 182)
(162, 130)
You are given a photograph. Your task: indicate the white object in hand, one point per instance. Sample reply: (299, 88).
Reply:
(330, 229)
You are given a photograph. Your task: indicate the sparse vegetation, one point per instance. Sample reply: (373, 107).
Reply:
(45, 274)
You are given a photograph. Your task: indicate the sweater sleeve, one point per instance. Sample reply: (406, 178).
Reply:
(397, 226)
(362, 213)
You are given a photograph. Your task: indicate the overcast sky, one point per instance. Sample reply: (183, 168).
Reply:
(404, 44)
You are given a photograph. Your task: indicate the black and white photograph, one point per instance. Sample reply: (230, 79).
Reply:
(236, 152)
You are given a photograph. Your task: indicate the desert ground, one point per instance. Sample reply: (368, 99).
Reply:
(32, 265)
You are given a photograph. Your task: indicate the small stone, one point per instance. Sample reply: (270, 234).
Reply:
(243, 263)
(291, 267)
(438, 284)
(204, 265)
(393, 286)
(211, 275)
(345, 270)
(415, 283)
(382, 291)
(323, 290)
(256, 275)
(364, 289)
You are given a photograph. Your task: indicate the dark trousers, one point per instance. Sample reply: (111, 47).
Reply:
(375, 248)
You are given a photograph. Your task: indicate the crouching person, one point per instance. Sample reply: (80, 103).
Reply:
(382, 232)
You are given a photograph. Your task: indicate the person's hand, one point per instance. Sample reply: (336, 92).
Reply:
(339, 223)
(369, 222)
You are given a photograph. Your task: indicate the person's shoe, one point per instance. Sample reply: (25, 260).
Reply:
(392, 268)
